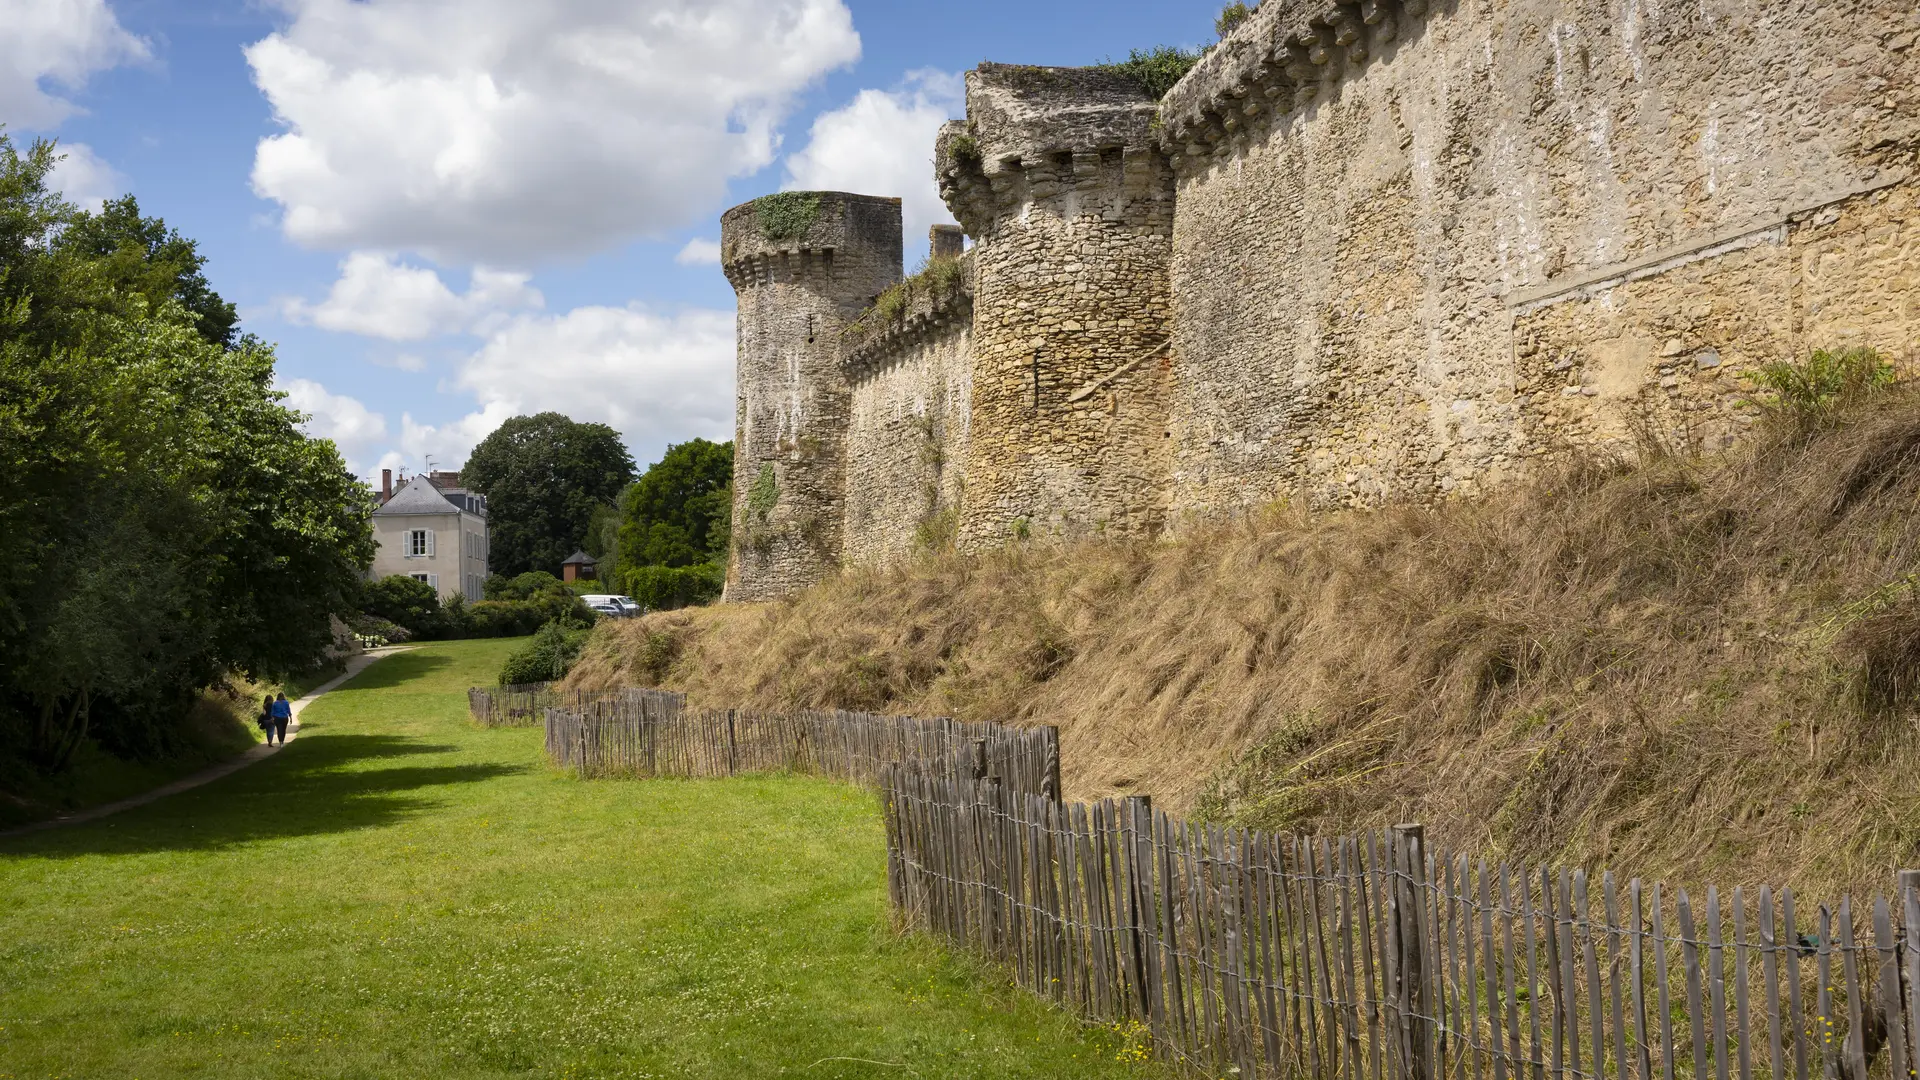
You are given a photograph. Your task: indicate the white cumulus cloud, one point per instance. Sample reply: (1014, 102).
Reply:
(379, 296)
(655, 377)
(58, 43)
(84, 177)
(881, 143)
(502, 132)
(699, 251)
(354, 428)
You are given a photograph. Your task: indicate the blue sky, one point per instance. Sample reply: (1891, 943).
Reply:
(448, 212)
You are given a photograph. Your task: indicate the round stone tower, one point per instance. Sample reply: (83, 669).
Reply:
(1057, 175)
(803, 264)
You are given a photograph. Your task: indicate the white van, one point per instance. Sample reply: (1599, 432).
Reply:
(620, 607)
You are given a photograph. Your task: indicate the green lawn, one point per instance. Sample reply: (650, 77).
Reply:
(400, 894)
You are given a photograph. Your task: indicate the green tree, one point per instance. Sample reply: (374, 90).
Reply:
(679, 512)
(543, 476)
(142, 255)
(162, 517)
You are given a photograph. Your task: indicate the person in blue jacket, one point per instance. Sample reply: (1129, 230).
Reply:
(282, 716)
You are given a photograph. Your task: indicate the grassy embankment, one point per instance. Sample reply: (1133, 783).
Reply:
(1696, 668)
(401, 894)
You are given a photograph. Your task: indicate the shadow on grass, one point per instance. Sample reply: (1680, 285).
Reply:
(391, 671)
(322, 784)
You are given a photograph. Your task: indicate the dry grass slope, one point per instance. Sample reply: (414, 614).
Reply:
(1696, 669)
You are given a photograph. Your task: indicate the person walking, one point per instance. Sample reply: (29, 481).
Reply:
(282, 716)
(265, 719)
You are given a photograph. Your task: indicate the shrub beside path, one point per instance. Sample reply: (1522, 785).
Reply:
(355, 665)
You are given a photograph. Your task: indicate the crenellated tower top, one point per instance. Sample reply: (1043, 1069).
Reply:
(1032, 132)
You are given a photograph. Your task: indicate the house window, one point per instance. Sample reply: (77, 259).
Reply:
(428, 578)
(420, 544)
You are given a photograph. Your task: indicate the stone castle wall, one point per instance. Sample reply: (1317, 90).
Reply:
(1368, 250)
(1414, 246)
(1058, 178)
(908, 433)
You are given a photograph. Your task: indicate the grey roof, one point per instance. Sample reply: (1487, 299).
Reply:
(417, 496)
(580, 558)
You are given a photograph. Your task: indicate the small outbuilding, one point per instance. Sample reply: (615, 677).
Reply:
(579, 566)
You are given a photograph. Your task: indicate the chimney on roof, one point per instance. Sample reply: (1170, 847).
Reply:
(946, 242)
(386, 485)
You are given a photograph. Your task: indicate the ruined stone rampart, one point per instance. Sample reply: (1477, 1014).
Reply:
(1367, 250)
(1058, 177)
(1415, 246)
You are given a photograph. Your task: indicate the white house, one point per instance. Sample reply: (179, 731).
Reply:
(434, 530)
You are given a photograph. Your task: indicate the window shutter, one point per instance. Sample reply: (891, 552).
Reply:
(429, 543)
(433, 579)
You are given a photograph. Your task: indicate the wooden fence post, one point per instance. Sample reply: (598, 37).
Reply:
(1050, 784)
(978, 764)
(730, 743)
(1408, 858)
(1907, 901)
(1136, 823)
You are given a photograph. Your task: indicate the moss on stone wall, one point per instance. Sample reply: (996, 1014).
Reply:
(787, 215)
(764, 493)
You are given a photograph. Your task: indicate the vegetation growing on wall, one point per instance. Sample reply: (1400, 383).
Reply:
(1232, 16)
(1824, 381)
(934, 278)
(764, 493)
(787, 215)
(964, 149)
(1156, 69)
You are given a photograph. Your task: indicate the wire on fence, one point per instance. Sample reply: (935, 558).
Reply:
(1377, 956)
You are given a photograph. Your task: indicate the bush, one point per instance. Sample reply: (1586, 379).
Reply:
(548, 656)
(1156, 71)
(1231, 17)
(524, 587)
(514, 607)
(382, 631)
(663, 588)
(1826, 379)
(409, 602)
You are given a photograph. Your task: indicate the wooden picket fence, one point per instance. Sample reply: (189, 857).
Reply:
(524, 704)
(650, 734)
(1377, 957)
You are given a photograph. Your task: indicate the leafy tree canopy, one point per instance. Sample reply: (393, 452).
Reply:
(543, 476)
(162, 517)
(142, 255)
(78, 265)
(679, 513)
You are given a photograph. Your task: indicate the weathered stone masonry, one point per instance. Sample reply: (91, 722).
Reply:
(1363, 250)
(1057, 176)
(907, 441)
(803, 266)
(1414, 246)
